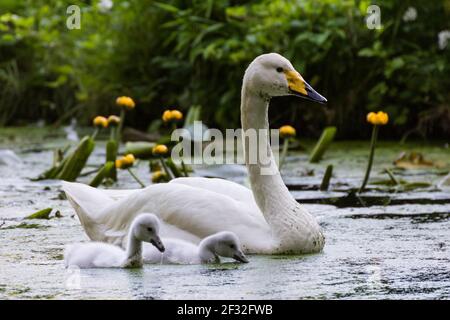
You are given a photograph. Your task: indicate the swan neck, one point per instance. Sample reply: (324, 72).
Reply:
(254, 110)
(134, 247)
(265, 178)
(292, 227)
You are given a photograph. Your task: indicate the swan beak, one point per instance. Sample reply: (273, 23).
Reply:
(299, 87)
(158, 244)
(240, 257)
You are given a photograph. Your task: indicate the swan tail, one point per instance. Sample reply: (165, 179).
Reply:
(88, 203)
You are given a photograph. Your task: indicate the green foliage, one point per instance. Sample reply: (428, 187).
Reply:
(111, 156)
(102, 174)
(326, 178)
(77, 160)
(322, 144)
(41, 214)
(184, 53)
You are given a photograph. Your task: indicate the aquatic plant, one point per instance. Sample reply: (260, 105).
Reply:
(112, 146)
(376, 119)
(287, 133)
(76, 161)
(160, 150)
(40, 214)
(172, 116)
(140, 149)
(99, 122)
(102, 174)
(125, 163)
(322, 144)
(159, 176)
(326, 178)
(125, 103)
(113, 122)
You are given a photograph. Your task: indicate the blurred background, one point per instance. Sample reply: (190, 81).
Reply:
(178, 54)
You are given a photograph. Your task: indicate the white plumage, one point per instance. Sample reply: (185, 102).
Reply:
(267, 219)
(94, 255)
(145, 227)
(221, 244)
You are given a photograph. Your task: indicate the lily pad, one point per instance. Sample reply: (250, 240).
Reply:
(24, 225)
(416, 160)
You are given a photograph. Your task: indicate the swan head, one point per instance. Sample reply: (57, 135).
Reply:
(145, 228)
(272, 75)
(226, 244)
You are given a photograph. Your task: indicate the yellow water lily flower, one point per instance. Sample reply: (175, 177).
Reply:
(166, 115)
(100, 121)
(378, 119)
(158, 176)
(287, 132)
(172, 115)
(177, 115)
(129, 159)
(125, 102)
(113, 120)
(119, 163)
(125, 162)
(160, 149)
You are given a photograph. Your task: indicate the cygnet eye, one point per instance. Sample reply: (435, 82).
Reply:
(150, 229)
(232, 246)
(279, 69)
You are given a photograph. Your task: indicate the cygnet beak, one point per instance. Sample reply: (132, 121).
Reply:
(240, 256)
(158, 244)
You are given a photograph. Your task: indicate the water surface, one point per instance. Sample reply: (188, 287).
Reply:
(400, 250)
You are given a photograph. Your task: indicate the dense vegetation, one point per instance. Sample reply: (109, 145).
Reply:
(183, 53)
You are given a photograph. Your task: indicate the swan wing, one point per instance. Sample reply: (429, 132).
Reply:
(194, 211)
(88, 202)
(229, 188)
(187, 213)
(221, 186)
(117, 194)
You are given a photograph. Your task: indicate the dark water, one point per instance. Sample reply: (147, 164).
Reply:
(393, 244)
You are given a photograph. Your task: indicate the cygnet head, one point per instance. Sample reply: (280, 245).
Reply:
(145, 228)
(226, 244)
(272, 75)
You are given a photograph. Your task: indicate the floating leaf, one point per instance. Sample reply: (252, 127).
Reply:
(140, 149)
(415, 160)
(41, 214)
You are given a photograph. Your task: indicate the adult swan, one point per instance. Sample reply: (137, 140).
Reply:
(267, 219)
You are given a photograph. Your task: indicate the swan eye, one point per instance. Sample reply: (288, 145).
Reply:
(279, 69)
(232, 246)
(150, 229)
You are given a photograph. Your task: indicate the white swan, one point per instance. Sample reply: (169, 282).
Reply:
(221, 244)
(267, 219)
(145, 227)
